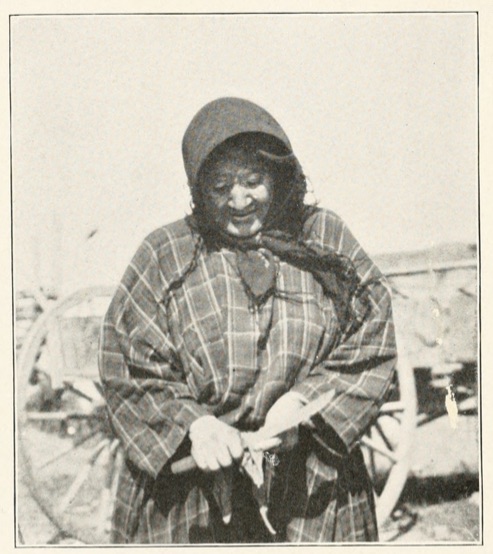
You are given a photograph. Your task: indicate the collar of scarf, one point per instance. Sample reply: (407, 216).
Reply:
(257, 267)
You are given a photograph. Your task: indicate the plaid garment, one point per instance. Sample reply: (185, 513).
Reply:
(169, 356)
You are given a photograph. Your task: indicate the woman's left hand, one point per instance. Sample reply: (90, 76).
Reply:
(282, 410)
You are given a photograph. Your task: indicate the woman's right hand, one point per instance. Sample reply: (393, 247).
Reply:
(215, 444)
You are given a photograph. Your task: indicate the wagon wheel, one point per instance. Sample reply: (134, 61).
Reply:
(387, 444)
(68, 457)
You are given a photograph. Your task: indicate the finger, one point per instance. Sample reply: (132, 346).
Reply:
(223, 456)
(235, 447)
(207, 457)
(200, 458)
(212, 462)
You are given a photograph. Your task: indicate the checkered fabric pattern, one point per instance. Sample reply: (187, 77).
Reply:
(168, 357)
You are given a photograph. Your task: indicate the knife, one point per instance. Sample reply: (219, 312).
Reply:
(266, 433)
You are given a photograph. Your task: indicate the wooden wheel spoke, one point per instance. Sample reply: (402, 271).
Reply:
(383, 436)
(107, 492)
(82, 476)
(395, 416)
(390, 408)
(395, 410)
(65, 452)
(57, 457)
(46, 416)
(382, 450)
(372, 467)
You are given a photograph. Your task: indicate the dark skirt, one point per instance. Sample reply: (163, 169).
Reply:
(313, 496)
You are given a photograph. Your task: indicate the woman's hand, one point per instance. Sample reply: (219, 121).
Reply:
(215, 444)
(281, 411)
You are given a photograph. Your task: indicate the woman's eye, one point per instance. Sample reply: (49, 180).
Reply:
(220, 186)
(254, 180)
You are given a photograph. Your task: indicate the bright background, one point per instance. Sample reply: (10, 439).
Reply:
(381, 111)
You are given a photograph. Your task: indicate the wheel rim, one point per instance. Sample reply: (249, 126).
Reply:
(65, 471)
(388, 455)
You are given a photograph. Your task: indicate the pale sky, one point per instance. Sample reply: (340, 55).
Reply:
(381, 111)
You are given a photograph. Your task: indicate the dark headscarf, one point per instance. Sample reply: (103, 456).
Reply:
(230, 120)
(220, 120)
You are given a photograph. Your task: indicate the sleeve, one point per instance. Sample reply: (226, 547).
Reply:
(149, 403)
(361, 367)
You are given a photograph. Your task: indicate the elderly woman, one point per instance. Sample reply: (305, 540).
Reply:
(229, 322)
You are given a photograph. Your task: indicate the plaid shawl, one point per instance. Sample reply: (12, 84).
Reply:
(168, 357)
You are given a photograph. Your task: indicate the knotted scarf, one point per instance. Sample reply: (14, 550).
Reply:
(257, 263)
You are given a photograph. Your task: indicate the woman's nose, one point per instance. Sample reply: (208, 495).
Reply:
(240, 197)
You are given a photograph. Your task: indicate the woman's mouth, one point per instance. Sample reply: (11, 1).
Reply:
(242, 215)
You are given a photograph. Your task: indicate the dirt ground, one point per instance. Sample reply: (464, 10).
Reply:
(438, 521)
(441, 501)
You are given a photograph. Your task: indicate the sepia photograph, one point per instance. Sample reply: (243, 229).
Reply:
(245, 260)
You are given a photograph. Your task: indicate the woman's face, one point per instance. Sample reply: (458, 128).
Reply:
(237, 195)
